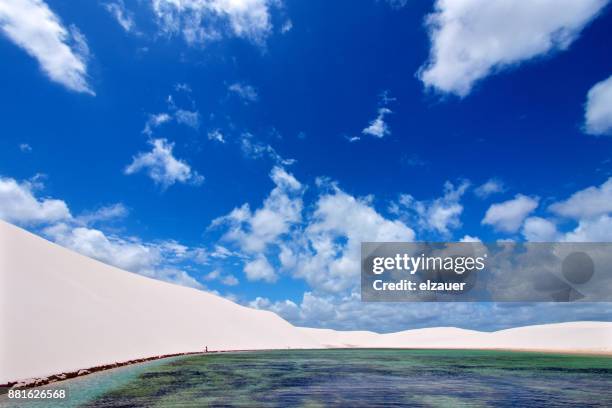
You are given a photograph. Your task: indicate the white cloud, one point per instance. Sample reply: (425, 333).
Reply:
(588, 203)
(260, 269)
(592, 209)
(129, 254)
(213, 275)
(471, 39)
(103, 214)
(244, 91)
(378, 127)
(230, 280)
(123, 16)
(509, 215)
(216, 135)
(537, 229)
(256, 150)
(185, 117)
(203, 21)
(327, 255)
(286, 308)
(19, 205)
(469, 238)
(222, 252)
(439, 215)
(61, 53)
(24, 147)
(597, 229)
(322, 249)
(598, 109)
(254, 231)
(161, 165)
(189, 118)
(491, 186)
(155, 121)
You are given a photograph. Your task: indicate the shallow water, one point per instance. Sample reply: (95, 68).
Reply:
(416, 378)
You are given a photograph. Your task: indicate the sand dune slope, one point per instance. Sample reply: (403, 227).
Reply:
(60, 311)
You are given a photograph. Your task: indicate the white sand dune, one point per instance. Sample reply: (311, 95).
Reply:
(61, 312)
(581, 337)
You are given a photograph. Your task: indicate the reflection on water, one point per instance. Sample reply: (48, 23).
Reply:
(427, 378)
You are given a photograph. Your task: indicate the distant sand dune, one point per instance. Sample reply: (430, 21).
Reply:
(63, 312)
(580, 337)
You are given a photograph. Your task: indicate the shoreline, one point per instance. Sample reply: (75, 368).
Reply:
(40, 381)
(54, 378)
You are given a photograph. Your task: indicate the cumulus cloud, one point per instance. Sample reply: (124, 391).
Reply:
(203, 21)
(591, 208)
(217, 275)
(19, 205)
(161, 165)
(473, 39)
(490, 187)
(469, 238)
(327, 255)
(260, 269)
(440, 215)
(244, 91)
(598, 109)
(61, 52)
(253, 231)
(24, 147)
(321, 246)
(588, 203)
(597, 229)
(509, 215)
(121, 14)
(537, 229)
(130, 254)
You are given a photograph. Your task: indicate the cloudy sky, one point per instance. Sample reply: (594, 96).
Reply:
(248, 147)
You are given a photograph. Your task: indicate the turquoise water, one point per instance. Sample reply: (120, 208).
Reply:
(353, 378)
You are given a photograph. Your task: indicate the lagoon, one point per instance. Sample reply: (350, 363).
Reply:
(351, 377)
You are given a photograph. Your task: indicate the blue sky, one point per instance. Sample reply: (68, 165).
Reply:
(248, 146)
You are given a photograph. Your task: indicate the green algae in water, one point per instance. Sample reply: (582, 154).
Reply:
(366, 378)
